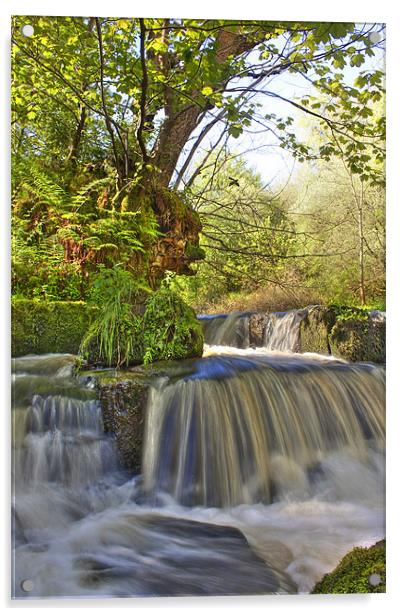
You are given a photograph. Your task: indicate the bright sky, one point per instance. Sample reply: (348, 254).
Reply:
(261, 149)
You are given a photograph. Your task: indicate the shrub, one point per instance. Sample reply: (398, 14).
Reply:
(170, 328)
(114, 337)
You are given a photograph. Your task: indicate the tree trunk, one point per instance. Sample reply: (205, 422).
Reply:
(178, 127)
(362, 288)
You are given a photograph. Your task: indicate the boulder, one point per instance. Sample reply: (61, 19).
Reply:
(257, 326)
(361, 571)
(359, 340)
(169, 556)
(314, 330)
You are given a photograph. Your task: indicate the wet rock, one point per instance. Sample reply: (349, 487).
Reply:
(123, 405)
(359, 340)
(181, 557)
(314, 330)
(59, 365)
(257, 324)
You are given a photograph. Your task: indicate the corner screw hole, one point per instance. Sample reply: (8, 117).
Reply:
(27, 585)
(27, 30)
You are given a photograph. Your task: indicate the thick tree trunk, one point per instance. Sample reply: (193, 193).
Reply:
(174, 135)
(179, 245)
(178, 126)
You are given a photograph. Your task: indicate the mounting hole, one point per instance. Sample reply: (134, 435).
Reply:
(374, 579)
(27, 30)
(375, 37)
(27, 585)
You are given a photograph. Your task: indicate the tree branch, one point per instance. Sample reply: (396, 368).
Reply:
(104, 105)
(144, 88)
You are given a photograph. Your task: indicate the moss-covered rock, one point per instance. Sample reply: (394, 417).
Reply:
(123, 399)
(344, 331)
(361, 571)
(314, 330)
(359, 340)
(48, 327)
(171, 329)
(168, 329)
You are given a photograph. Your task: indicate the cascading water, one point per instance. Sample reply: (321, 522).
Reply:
(226, 329)
(281, 330)
(78, 529)
(239, 428)
(282, 449)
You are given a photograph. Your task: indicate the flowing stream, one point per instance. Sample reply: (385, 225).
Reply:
(261, 469)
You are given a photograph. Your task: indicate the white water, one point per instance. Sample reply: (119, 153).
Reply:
(90, 532)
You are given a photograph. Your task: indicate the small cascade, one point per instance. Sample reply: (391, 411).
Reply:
(58, 433)
(278, 331)
(282, 331)
(227, 329)
(243, 429)
(61, 440)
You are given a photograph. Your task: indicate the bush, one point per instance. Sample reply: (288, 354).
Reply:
(114, 337)
(170, 328)
(119, 326)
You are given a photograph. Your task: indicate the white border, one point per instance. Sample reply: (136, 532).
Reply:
(342, 10)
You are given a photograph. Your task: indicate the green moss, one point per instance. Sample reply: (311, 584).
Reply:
(344, 313)
(352, 575)
(358, 340)
(170, 328)
(48, 327)
(194, 252)
(314, 329)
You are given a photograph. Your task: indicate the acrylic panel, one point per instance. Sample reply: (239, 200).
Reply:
(198, 307)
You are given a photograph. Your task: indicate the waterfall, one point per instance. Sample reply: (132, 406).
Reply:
(282, 330)
(226, 329)
(260, 471)
(58, 434)
(79, 528)
(244, 429)
(279, 331)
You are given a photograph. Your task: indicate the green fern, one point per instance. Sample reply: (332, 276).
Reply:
(42, 188)
(83, 195)
(116, 332)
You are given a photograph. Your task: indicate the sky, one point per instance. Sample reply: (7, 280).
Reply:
(261, 151)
